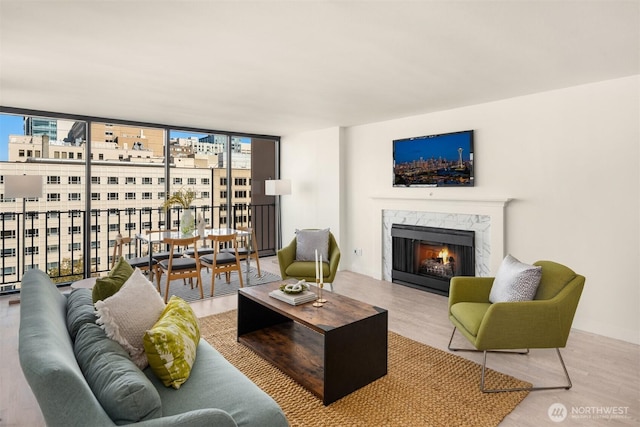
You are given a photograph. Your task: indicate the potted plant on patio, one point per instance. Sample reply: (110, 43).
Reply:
(183, 198)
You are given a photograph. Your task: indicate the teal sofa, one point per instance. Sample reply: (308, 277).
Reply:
(216, 393)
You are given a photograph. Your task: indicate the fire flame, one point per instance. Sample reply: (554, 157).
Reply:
(444, 255)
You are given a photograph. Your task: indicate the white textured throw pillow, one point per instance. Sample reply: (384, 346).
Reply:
(515, 281)
(129, 313)
(307, 241)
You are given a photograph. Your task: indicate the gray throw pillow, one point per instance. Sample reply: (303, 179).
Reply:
(307, 241)
(515, 281)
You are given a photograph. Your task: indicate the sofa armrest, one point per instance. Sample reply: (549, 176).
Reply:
(195, 418)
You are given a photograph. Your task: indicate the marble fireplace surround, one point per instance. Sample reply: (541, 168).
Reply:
(485, 216)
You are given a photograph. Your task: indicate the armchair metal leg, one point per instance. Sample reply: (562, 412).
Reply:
(498, 390)
(484, 366)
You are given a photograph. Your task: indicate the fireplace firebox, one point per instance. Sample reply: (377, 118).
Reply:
(428, 257)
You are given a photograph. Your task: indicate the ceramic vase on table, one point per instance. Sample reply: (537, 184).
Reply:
(187, 222)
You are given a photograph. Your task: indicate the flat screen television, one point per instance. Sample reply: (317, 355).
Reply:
(444, 160)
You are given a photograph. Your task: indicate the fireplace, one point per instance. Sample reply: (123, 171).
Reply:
(428, 257)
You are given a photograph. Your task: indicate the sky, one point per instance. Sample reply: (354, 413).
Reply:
(445, 146)
(9, 125)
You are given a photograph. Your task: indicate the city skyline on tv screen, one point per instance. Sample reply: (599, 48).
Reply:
(436, 160)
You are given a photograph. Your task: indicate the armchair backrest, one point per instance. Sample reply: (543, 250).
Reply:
(333, 244)
(554, 278)
(560, 283)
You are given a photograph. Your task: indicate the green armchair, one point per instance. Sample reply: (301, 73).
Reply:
(544, 322)
(292, 269)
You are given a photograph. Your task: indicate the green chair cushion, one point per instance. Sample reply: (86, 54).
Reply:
(304, 269)
(470, 315)
(123, 390)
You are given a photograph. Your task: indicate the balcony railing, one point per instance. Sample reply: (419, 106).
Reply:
(58, 241)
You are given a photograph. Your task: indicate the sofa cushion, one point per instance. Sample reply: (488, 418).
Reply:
(171, 343)
(515, 281)
(216, 383)
(122, 389)
(308, 241)
(109, 285)
(126, 315)
(80, 310)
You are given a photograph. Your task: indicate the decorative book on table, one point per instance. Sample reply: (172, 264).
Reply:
(293, 299)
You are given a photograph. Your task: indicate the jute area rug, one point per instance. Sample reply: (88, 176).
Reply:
(424, 386)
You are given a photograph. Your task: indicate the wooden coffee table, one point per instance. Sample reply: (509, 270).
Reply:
(332, 350)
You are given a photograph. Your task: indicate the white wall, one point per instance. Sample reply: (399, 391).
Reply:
(569, 158)
(312, 161)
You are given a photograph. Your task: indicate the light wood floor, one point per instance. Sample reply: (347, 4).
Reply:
(605, 372)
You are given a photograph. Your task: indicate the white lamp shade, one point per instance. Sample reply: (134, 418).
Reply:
(277, 187)
(26, 186)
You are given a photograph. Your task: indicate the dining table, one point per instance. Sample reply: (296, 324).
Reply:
(159, 236)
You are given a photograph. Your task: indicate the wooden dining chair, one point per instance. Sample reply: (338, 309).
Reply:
(161, 255)
(140, 262)
(204, 248)
(223, 261)
(179, 267)
(247, 246)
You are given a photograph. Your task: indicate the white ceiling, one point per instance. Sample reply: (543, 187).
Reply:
(282, 67)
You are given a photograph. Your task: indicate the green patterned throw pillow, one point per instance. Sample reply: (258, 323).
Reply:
(171, 344)
(109, 285)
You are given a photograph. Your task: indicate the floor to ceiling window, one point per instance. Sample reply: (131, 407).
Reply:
(48, 235)
(128, 187)
(102, 178)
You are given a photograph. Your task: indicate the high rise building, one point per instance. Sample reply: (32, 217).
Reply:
(127, 189)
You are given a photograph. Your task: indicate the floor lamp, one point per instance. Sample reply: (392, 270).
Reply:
(25, 186)
(277, 187)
